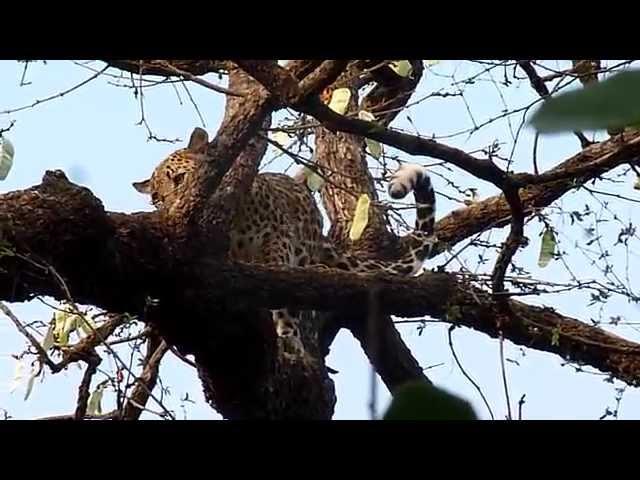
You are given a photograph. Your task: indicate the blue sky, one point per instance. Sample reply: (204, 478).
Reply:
(92, 135)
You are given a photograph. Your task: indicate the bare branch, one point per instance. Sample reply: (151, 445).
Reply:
(92, 360)
(57, 95)
(156, 349)
(200, 81)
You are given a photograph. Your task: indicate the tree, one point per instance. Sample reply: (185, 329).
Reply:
(113, 271)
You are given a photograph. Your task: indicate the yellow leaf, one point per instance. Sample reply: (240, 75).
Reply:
(360, 217)
(6, 157)
(374, 147)
(402, 67)
(65, 324)
(340, 100)
(281, 138)
(366, 116)
(314, 181)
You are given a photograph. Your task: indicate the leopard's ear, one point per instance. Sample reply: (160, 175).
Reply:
(198, 141)
(143, 187)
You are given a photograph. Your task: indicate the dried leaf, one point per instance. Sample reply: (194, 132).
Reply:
(360, 217)
(402, 67)
(314, 181)
(281, 138)
(374, 147)
(49, 338)
(30, 382)
(94, 405)
(65, 324)
(366, 116)
(6, 157)
(340, 100)
(18, 376)
(547, 248)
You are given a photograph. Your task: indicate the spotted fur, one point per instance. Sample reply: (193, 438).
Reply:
(279, 223)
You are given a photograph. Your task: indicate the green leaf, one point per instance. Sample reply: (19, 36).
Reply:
(422, 401)
(94, 405)
(547, 248)
(374, 148)
(402, 67)
(6, 157)
(431, 63)
(612, 103)
(340, 100)
(360, 217)
(555, 337)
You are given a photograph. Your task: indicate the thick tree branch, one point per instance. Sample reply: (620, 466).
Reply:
(92, 360)
(199, 296)
(344, 153)
(513, 242)
(327, 73)
(159, 67)
(392, 92)
(277, 80)
(494, 212)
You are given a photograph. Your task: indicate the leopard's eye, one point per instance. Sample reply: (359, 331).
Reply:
(178, 178)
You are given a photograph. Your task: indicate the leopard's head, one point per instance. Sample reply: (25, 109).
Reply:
(167, 178)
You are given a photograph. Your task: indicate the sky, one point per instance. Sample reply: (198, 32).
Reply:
(93, 134)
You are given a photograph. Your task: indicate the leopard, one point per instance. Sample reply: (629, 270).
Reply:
(278, 223)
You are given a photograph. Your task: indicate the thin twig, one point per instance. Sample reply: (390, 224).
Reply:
(520, 404)
(467, 376)
(77, 311)
(504, 377)
(57, 95)
(199, 81)
(42, 354)
(535, 154)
